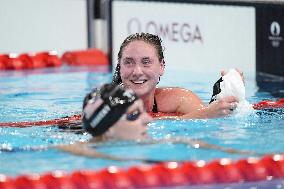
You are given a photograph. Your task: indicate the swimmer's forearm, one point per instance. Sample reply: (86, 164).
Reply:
(200, 113)
(227, 150)
(196, 114)
(84, 150)
(205, 145)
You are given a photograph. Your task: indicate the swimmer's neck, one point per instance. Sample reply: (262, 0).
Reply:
(148, 100)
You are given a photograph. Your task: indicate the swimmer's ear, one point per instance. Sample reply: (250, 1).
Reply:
(162, 68)
(163, 62)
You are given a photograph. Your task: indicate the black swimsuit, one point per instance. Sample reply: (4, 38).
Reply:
(155, 107)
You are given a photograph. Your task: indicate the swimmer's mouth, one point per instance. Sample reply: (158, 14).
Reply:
(139, 82)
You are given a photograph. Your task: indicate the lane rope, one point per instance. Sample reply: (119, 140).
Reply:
(166, 174)
(263, 105)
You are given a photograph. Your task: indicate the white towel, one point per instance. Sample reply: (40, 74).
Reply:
(233, 85)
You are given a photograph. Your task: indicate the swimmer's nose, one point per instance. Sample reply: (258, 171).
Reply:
(137, 70)
(146, 118)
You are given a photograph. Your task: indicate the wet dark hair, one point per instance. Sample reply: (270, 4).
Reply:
(151, 39)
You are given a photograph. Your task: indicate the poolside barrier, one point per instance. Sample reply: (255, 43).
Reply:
(29, 61)
(269, 104)
(86, 57)
(167, 174)
(45, 59)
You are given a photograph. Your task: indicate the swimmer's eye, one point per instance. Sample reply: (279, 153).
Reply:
(133, 115)
(146, 61)
(128, 62)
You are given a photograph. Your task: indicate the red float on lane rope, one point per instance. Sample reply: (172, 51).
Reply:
(87, 180)
(89, 57)
(268, 104)
(158, 175)
(4, 60)
(29, 61)
(61, 121)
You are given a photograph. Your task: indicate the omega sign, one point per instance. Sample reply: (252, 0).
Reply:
(173, 31)
(275, 34)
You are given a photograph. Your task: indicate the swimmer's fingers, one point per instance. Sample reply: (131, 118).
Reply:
(205, 145)
(231, 103)
(224, 72)
(241, 74)
(233, 106)
(223, 149)
(234, 151)
(230, 99)
(222, 107)
(138, 104)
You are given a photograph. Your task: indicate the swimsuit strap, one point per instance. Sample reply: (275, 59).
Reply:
(155, 107)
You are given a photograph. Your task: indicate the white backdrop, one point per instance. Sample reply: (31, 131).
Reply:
(37, 25)
(196, 37)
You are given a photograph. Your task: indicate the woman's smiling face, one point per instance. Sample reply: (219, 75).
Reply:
(140, 67)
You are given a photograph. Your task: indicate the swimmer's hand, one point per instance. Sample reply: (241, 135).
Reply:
(223, 72)
(222, 107)
(204, 145)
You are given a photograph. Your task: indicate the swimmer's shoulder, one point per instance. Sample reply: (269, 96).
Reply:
(171, 91)
(169, 98)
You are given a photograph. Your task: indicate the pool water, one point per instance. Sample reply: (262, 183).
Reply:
(58, 92)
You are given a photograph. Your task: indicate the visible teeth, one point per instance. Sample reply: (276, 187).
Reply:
(138, 82)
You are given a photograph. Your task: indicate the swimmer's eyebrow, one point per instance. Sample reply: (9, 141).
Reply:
(127, 60)
(146, 58)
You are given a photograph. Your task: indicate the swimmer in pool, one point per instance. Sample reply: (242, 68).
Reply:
(140, 65)
(115, 113)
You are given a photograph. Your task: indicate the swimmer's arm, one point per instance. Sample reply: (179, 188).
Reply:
(205, 145)
(182, 101)
(216, 109)
(188, 104)
(81, 149)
